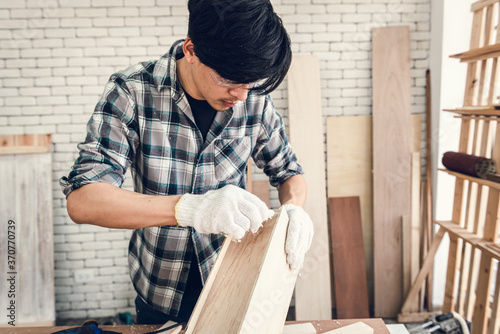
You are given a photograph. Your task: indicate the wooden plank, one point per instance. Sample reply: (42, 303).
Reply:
(478, 5)
(428, 188)
(476, 111)
(349, 270)
(471, 85)
(258, 188)
(463, 177)
(406, 243)
(25, 144)
(261, 190)
(454, 252)
(477, 224)
(349, 157)
(249, 177)
(416, 225)
(391, 147)
(415, 317)
(478, 54)
(350, 170)
(494, 324)
(491, 229)
(251, 287)
(26, 201)
(313, 289)
(426, 266)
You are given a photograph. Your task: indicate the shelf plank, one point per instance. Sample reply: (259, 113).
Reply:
(460, 232)
(490, 248)
(491, 184)
(489, 51)
(481, 4)
(476, 111)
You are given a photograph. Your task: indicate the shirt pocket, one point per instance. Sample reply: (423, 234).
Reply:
(231, 157)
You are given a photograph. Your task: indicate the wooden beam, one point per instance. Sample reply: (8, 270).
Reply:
(478, 5)
(313, 289)
(391, 162)
(250, 286)
(426, 266)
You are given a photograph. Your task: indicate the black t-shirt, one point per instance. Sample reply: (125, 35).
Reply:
(203, 114)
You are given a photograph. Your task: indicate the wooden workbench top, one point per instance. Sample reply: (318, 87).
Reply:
(321, 326)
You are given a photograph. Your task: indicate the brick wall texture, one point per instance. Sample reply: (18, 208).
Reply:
(56, 56)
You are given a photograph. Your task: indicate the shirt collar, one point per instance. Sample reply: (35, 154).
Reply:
(165, 71)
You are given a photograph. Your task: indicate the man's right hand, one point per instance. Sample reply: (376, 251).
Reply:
(230, 210)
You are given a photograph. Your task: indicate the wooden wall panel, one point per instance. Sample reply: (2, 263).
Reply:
(26, 199)
(391, 162)
(313, 289)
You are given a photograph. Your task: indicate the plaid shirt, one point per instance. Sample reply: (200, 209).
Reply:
(143, 122)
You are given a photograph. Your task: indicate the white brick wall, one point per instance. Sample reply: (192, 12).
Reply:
(55, 58)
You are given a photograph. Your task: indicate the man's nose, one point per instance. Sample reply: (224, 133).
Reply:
(239, 93)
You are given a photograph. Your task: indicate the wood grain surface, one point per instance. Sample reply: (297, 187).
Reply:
(349, 270)
(250, 287)
(391, 162)
(26, 200)
(313, 289)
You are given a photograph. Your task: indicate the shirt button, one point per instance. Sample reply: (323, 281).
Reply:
(185, 269)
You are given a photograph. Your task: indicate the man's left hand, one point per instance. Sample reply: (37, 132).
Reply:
(299, 235)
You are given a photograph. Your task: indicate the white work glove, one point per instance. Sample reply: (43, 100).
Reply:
(229, 210)
(299, 235)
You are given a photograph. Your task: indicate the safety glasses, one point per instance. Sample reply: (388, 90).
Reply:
(220, 81)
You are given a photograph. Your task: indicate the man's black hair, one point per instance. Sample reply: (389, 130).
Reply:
(242, 40)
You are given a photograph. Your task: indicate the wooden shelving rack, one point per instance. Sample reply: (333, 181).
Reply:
(473, 277)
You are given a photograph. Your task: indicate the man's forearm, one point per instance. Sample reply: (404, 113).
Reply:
(105, 205)
(293, 191)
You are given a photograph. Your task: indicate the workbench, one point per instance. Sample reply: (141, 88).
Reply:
(321, 326)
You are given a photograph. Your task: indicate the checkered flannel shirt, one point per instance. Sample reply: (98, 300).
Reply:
(143, 122)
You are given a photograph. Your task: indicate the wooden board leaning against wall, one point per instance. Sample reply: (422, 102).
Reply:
(313, 289)
(26, 205)
(349, 170)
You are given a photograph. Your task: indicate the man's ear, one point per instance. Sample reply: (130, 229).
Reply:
(188, 49)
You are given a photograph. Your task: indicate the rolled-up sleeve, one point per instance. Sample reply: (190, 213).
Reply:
(273, 152)
(109, 146)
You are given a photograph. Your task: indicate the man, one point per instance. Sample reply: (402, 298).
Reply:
(187, 125)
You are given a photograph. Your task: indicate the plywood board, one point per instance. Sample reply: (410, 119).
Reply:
(313, 289)
(250, 287)
(391, 162)
(26, 205)
(349, 270)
